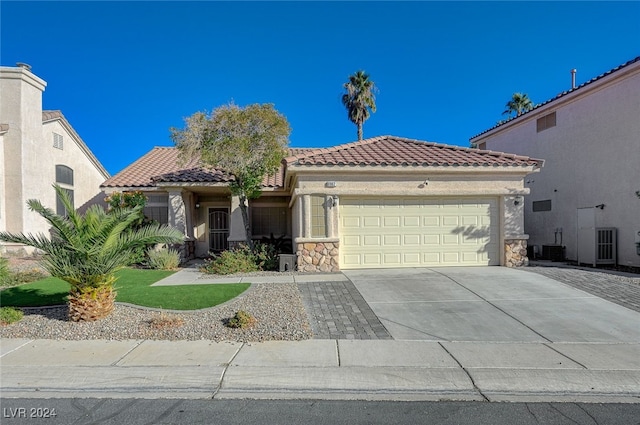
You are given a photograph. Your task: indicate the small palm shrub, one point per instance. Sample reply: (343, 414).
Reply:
(163, 259)
(239, 260)
(86, 250)
(10, 315)
(241, 320)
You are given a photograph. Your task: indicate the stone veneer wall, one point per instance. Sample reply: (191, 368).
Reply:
(515, 253)
(318, 256)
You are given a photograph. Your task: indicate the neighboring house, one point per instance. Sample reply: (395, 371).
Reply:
(37, 149)
(380, 202)
(583, 204)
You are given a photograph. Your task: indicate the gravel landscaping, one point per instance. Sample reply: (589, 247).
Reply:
(277, 308)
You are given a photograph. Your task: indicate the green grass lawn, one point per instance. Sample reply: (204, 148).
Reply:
(133, 286)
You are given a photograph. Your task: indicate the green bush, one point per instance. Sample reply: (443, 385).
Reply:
(4, 270)
(10, 315)
(241, 320)
(266, 256)
(163, 259)
(239, 260)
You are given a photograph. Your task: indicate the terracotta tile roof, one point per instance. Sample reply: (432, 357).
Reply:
(399, 151)
(161, 165)
(51, 115)
(562, 94)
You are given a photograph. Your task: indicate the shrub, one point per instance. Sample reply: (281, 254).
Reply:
(164, 320)
(163, 259)
(10, 315)
(241, 320)
(4, 270)
(239, 260)
(266, 256)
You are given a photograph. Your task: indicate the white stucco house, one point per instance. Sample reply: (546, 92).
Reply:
(37, 149)
(583, 205)
(381, 202)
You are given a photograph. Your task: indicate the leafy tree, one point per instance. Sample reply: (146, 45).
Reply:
(359, 99)
(87, 249)
(518, 104)
(248, 143)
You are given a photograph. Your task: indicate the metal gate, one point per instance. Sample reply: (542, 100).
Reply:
(218, 229)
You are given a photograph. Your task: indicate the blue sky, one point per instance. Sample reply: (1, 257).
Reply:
(123, 73)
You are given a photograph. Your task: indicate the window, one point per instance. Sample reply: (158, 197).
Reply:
(60, 209)
(64, 178)
(157, 208)
(542, 205)
(546, 122)
(57, 141)
(268, 220)
(318, 217)
(64, 175)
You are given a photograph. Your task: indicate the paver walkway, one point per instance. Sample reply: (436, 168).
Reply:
(604, 285)
(336, 310)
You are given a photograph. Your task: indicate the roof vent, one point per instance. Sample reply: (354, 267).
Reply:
(24, 66)
(573, 78)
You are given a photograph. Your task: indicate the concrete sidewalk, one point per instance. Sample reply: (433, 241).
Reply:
(192, 276)
(322, 369)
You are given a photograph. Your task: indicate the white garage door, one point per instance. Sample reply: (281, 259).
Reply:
(412, 232)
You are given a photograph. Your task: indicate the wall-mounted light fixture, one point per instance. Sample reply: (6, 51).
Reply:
(334, 201)
(517, 200)
(197, 204)
(330, 184)
(601, 206)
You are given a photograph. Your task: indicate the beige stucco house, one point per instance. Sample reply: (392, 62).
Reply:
(381, 202)
(583, 204)
(37, 149)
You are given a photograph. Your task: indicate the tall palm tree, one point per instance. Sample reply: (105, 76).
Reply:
(518, 104)
(86, 250)
(359, 99)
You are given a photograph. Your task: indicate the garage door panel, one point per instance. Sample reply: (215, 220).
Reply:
(392, 221)
(431, 221)
(411, 221)
(392, 240)
(450, 240)
(397, 232)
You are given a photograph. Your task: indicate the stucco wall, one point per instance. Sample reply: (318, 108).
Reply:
(21, 109)
(592, 157)
(29, 157)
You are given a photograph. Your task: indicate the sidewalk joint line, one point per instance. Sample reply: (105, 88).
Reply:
(564, 355)
(127, 353)
(475, 387)
(224, 371)
(338, 352)
(17, 348)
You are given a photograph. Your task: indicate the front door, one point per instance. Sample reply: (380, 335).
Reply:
(218, 229)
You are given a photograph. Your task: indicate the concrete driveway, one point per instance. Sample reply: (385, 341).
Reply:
(494, 304)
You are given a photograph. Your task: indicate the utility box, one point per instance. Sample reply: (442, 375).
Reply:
(288, 262)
